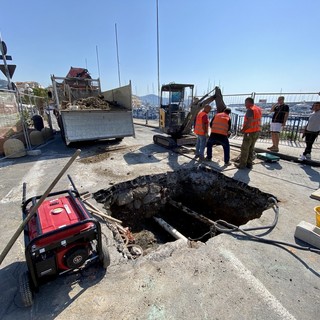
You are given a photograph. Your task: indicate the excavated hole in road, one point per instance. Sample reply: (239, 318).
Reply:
(202, 190)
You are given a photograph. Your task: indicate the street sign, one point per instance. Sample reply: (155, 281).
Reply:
(3, 48)
(11, 69)
(7, 57)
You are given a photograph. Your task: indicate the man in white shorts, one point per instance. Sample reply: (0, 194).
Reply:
(279, 119)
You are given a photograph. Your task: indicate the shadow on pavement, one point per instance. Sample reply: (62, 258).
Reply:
(271, 166)
(56, 148)
(144, 154)
(314, 175)
(51, 299)
(242, 175)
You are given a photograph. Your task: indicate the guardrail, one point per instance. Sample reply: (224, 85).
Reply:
(292, 131)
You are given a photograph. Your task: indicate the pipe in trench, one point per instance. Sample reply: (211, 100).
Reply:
(174, 232)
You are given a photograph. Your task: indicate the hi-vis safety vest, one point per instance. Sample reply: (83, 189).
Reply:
(198, 127)
(256, 122)
(220, 124)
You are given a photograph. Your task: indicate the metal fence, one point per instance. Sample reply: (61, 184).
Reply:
(267, 99)
(292, 131)
(299, 107)
(9, 116)
(16, 113)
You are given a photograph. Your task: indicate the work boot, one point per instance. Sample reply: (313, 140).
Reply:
(237, 165)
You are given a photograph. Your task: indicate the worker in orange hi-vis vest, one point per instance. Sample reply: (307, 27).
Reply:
(220, 131)
(201, 130)
(251, 129)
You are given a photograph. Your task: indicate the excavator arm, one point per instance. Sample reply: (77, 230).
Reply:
(197, 105)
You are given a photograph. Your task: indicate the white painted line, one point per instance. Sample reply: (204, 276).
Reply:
(270, 300)
(32, 179)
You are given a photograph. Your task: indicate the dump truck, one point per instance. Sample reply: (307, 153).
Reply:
(86, 113)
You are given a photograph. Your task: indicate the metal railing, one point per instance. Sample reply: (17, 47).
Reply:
(299, 111)
(292, 131)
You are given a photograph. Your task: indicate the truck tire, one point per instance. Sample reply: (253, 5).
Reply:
(60, 124)
(25, 289)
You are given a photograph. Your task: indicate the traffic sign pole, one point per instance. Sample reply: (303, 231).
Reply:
(3, 49)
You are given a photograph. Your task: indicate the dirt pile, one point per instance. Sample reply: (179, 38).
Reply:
(92, 103)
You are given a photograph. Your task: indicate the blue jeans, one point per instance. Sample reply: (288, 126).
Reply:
(222, 140)
(200, 146)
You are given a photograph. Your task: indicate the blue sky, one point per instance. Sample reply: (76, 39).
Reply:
(241, 45)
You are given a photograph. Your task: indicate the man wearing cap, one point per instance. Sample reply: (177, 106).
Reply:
(201, 130)
(311, 131)
(220, 130)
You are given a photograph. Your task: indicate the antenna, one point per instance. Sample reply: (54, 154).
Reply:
(97, 61)
(116, 31)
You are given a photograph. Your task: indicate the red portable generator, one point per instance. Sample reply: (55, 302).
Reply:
(62, 236)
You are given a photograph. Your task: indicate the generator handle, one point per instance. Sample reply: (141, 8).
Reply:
(34, 209)
(24, 192)
(73, 185)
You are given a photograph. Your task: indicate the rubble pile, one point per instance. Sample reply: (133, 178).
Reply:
(89, 103)
(92, 103)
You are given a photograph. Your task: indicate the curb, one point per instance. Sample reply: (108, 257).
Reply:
(283, 156)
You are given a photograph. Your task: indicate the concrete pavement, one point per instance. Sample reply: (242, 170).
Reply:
(226, 278)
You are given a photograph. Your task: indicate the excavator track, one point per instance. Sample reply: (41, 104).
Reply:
(163, 141)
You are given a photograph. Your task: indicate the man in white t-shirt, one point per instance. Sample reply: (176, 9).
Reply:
(311, 131)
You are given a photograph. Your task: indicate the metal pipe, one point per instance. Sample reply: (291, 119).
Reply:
(166, 226)
(191, 212)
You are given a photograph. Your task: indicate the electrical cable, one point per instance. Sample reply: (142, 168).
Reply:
(229, 228)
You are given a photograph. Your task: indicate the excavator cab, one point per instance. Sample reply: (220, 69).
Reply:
(178, 111)
(174, 101)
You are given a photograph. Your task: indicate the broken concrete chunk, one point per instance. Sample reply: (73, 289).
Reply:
(151, 197)
(137, 204)
(140, 192)
(124, 198)
(154, 188)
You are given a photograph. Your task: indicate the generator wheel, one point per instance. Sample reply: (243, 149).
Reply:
(25, 289)
(75, 257)
(105, 259)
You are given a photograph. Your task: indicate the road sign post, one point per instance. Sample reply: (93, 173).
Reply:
(8, 70)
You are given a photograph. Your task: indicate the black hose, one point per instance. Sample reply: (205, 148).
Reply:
(229, 228)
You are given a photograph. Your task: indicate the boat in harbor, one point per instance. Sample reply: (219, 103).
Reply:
(301, 109)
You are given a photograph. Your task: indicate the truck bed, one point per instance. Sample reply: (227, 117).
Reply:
(95, 124)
